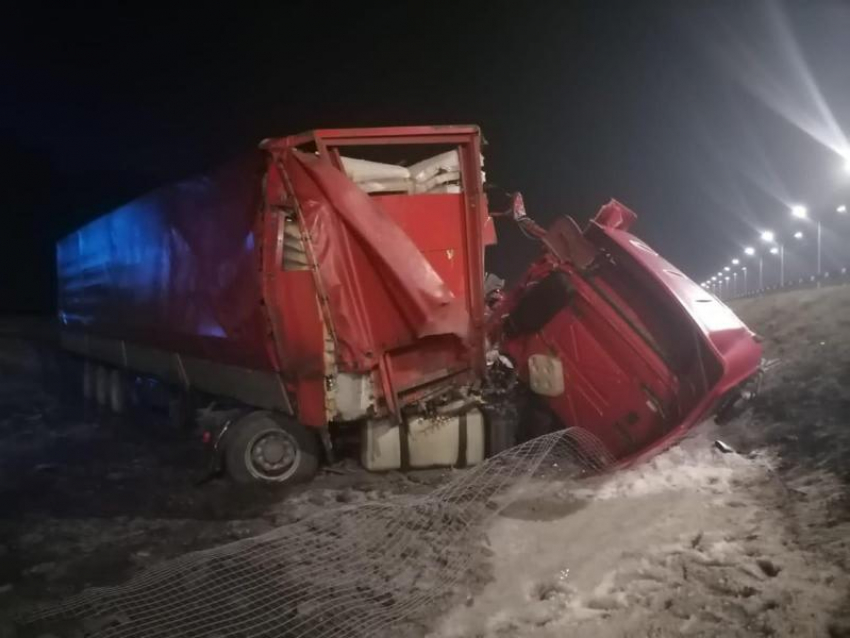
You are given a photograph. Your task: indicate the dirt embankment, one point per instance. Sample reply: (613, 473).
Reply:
(804, 411)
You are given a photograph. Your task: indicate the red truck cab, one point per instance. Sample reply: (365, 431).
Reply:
(616, 341)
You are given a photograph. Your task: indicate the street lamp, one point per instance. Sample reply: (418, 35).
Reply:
(841, 209)
(727, 269)
(736, 261)
(799, 211)
(746, 287)
(749, 251)
(780, 250)
(769, 237)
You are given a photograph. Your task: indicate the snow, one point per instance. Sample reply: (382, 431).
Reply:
(696, 542)
(692, 543)
(678, 546)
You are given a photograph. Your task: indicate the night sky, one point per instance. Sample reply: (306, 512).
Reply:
(707, 118)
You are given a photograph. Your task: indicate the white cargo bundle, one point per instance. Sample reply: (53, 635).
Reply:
(438, 174)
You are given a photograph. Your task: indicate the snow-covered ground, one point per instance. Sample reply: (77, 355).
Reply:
(695, 542)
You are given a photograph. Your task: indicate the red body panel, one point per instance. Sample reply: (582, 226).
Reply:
(435, 225)
(732, 343)
(394, 281)
(646, 353)
(382, 292)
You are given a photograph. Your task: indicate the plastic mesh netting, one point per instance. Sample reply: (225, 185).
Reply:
(358, 570)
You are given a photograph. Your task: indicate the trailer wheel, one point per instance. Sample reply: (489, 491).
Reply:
(264, 447)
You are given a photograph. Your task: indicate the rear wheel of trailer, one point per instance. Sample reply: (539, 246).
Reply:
(267, 447)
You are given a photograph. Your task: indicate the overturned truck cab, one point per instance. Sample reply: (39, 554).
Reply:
(610, 338)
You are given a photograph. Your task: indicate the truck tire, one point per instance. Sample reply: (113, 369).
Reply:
(264, 447)
(117, 392)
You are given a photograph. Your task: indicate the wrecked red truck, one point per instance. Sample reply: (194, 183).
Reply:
(331, 284)
(611, 338)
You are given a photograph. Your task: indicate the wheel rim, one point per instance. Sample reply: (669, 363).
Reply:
(272, 455)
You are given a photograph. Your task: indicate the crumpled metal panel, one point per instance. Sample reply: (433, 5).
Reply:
(198, 268)
(731, 341)
(647, 354)
(615, 215)
(176, 269)
(383, 294)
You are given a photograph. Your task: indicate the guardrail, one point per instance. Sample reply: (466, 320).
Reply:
(828, 278)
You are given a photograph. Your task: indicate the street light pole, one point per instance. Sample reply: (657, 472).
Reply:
(781, 265)
(761, 272)
(801, 212)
